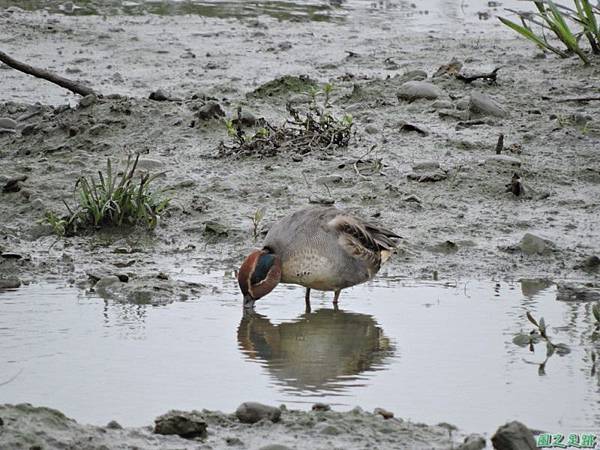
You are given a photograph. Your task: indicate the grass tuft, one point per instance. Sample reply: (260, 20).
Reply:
(554, 19)
(113, 199)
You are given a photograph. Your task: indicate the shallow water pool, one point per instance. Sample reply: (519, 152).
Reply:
(427, 352)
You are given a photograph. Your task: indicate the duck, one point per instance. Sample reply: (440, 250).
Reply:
(322, 248)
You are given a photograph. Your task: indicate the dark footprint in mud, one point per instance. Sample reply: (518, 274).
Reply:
(321, 351)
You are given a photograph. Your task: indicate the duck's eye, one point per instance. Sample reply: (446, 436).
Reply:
(262, 268)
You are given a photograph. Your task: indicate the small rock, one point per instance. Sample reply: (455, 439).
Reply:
(405, 127)
(441, 104)
(7, 125)
(480, 104)
(246, 118)
(159, 96)
(88, 100)
(11, 255)
(414, 90)
(252, 412)
(534, 245)
(104, 283)
(210, 110)
(589, 263)
(371, 129)
(215, 228)
(577, 292)
(188, 425)
(114, 425)
(10, 283)
(472, 442)
(513, 436)
(327, 429)
(383, 413)
(445, 247)
(321, 407)
(412, 75)
(504, 160)
(14, 184)
(233, 441)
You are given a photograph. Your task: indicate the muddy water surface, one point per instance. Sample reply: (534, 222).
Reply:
(428, 352)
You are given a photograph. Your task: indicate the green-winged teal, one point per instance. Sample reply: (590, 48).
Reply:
(321, 248)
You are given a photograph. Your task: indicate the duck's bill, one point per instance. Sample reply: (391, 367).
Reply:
(248, 302)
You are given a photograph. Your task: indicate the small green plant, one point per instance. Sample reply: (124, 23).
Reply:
(315, 128)
(111, 200)
(554, 18)
(256, 219)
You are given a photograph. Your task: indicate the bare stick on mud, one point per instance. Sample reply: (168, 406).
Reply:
(578, 99)
(71, 85)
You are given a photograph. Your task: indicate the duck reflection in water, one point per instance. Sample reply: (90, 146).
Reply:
(321, 351)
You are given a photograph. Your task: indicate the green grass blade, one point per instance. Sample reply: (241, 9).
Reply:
(531, 36)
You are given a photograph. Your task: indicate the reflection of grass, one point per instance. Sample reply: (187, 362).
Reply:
(281, 10)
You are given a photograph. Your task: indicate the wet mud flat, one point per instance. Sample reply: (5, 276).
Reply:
(434, 175)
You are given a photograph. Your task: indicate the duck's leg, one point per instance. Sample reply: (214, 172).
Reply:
(336, 295)
(307, 300)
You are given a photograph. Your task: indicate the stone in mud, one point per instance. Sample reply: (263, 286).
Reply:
(88, 100)
(383, 413)
(371, 129)
(246, 118)
(414, 90)
(321, 407)
(114, 425)
(578, 292)
(210, 110)
(252, 412)
(286, 85)
(472, 442)
(480, 104)
(503, 160)
(102, 285)
(534, 245)
(427, 176)
(14, 184)
(589, 263)
(159, 96)
(10, 283)
(188, 425)
(514, 436)
(7, 125)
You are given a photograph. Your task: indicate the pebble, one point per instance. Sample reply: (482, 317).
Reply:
(480, 104)
(252, 412)
(114, 425)
(188, 425)
(321, 407)
(10, 283)
(383, 413)
(413, 90)
(159, 96)
(371, 129)
(14, 184)
(427, 177)
(514, 436)
(210, 110)
(534, 245)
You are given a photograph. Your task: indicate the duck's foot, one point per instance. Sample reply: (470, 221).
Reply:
(307, 300)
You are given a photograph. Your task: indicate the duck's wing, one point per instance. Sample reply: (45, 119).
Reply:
(363, 240)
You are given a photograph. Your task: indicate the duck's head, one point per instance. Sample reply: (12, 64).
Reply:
(259, 274)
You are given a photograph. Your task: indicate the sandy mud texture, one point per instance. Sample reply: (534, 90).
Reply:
(253, 426)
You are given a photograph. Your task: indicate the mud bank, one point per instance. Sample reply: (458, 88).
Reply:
(27, 427)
